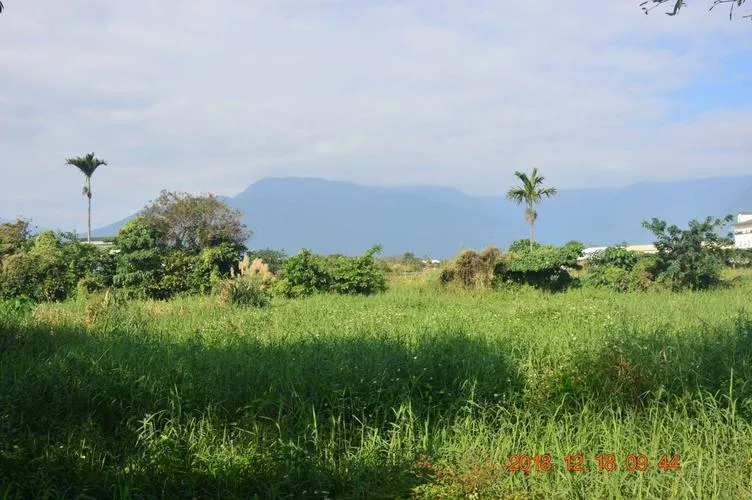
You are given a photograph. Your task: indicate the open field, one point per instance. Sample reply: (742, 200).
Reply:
(415, 392)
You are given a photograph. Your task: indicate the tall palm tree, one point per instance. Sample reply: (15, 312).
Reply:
(531, 192)
(87, 165)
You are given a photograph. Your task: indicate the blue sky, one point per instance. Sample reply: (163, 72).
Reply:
(198, 96)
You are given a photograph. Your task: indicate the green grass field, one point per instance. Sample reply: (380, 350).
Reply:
(418, 392)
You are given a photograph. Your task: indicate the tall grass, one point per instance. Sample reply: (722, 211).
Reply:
(416, 392)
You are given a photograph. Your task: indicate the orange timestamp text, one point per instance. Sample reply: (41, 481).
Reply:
(605, 462)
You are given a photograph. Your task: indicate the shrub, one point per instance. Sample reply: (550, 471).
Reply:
(617, 256)
(693, 257)
(546, 267)
(244, 291)
(644, 273)
(358, 275)
(20, 274)
(212, 265)
(473, 269)
(139, 261)
(303, 274)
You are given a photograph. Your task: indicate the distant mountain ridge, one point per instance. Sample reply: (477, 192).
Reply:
(341, 217)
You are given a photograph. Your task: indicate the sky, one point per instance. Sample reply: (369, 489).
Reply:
(204, 96)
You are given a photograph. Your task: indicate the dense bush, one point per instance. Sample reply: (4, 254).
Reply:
(546, 267)
(690, 258)
(307, 273)
(621, 270)
(473, 269)
(50, 266)
(304, 274)
(739, 257)
(616, 256)
(519, 246)
(358, 275)
(140, 260)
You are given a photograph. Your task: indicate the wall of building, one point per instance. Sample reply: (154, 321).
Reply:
(743, 217)
(743, 240)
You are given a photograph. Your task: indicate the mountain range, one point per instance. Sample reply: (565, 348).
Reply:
(340, 217)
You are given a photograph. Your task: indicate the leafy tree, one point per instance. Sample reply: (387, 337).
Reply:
(690, 258)
(676, 6)
(140, 258)
(14, 237)
(531, 192)
(195, 222)
(87, 164)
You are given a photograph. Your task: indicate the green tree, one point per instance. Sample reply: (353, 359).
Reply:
(14, 236)
(139, 260)
(531, 192)
(676, 6)
(87, 165)
(195, 222)
(691, 258)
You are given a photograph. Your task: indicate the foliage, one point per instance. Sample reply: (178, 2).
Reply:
(139, 261)
(274, 259)
(518, 246)
(472, 269)
(195, 222)
(546, 267)
(212, 265)
(14, 237)
(304, 274)
(620, 270)
(530, 193)
(617, 256)
(358, 275)
(50, 267)
(739, 257)
(690, 258)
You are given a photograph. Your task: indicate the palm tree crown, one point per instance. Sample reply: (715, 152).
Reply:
(87, 164)
(531, 192)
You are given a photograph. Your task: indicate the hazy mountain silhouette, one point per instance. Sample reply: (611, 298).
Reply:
(340, 217)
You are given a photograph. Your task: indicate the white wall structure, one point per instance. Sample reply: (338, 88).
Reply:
(743, 230)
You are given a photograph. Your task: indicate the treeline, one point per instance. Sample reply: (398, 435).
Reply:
(691, 258)
(180, 244)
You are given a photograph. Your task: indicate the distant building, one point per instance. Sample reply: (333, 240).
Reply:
(743, 230)
(105, 243)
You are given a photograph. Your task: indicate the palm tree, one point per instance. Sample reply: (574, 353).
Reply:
(87, 165)
(531, 192)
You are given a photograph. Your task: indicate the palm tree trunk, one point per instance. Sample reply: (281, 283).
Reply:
(531, 235)
(532, 222)
(88, 196)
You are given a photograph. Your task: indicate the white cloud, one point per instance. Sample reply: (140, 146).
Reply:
(212, 96)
